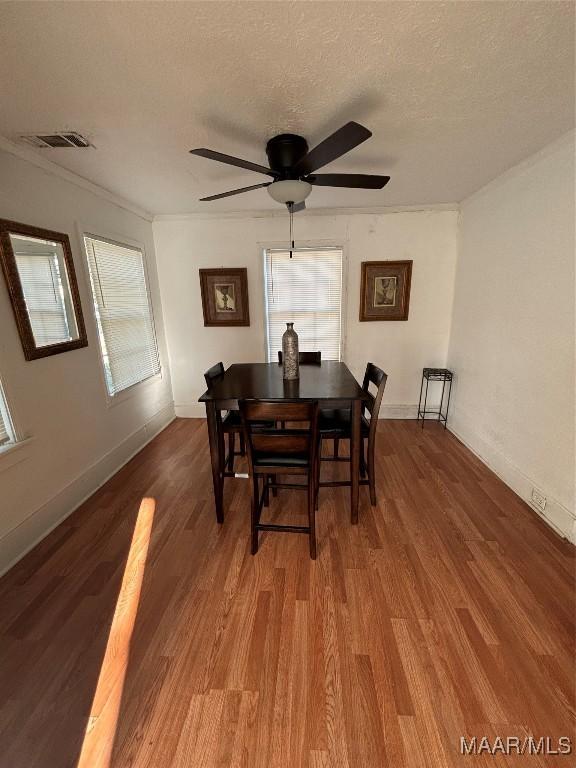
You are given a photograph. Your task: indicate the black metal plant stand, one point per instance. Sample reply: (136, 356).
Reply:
(435, 374)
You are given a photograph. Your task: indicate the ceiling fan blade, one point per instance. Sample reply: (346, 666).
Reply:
(299, 207)
(235, 192)
(352, 180)
(229, 160)
(343, 140)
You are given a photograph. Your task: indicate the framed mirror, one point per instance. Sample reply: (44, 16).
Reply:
(39, 272)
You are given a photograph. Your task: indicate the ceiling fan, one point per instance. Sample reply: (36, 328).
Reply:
(293, 166)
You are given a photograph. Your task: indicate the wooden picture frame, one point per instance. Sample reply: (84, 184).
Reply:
(68, 296)
(225, 296)
(385, 290)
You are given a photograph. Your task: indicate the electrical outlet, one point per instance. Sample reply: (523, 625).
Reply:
(538, 499)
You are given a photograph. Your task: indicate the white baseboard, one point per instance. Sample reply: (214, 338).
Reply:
(23, 537)
(400, 411)
(190, 411)
(198, 411)
(559, 517)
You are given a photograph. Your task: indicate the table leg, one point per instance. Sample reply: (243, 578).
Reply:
(215, 438)
(355, 447)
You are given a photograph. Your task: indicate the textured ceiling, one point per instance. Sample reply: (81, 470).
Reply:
(454, 92)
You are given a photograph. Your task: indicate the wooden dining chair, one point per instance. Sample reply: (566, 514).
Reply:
(275, 452)
(336, 424)
(231, 422)
(305, 358)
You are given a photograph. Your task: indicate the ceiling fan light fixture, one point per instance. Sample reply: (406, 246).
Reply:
(289, 191)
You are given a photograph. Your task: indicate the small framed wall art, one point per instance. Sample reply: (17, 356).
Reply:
(385, 290)
(225, 296)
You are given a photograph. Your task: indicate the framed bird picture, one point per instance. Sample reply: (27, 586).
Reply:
(385, 290)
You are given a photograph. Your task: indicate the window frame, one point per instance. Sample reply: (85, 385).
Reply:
(18, 449)
(308, 244)
(123, 242)
(7, 420)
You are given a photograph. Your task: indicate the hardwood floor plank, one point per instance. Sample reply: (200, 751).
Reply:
(372, 733)
(335, 717)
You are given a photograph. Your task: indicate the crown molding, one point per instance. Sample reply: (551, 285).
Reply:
(281, 212)
(29, 156)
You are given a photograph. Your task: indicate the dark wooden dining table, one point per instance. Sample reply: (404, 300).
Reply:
(330, 383)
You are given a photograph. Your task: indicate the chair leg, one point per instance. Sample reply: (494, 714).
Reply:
(266, 491)
(371, 473)
(336, 447)
(317, 476)
(254, 515)
(242, 444)
(312, 512)
(231, 448)
(274, 490)
(362, 460)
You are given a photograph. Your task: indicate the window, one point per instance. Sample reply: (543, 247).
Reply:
(305, 290)
(42, 286)
(123, 313)
(7, 435)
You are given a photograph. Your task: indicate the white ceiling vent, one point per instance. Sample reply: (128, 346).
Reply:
(56, 140)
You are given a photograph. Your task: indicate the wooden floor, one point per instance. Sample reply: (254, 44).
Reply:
(447, 612)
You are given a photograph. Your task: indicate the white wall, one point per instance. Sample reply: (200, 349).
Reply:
(402, 348)
(60, 401)
(512, 339)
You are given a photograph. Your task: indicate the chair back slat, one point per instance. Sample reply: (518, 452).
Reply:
(283, 410)
(281, 442)
(305, 358)
(213, 373)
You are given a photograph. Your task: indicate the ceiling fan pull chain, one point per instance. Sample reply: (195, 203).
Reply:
(291, 210)
(272, 273)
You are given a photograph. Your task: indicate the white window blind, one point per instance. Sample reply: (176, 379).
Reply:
(6, 429)
(305, 290)
(123, 313)
(43, 278)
